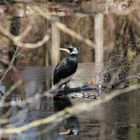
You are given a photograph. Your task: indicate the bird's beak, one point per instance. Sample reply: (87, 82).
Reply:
(64, 49)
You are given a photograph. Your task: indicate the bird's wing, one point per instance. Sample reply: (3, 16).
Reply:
(59, 69)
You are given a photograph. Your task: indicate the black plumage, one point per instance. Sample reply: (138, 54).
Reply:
(66, 67)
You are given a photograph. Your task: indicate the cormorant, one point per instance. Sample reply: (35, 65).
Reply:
(66, 67)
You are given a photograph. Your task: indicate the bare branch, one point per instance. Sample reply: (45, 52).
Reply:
(63, 27)
(26, 31)
(67, 112)
(16, 40)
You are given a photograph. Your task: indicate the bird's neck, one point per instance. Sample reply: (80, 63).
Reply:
(73, 55)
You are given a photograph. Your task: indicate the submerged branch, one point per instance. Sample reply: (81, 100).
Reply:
(71, 90)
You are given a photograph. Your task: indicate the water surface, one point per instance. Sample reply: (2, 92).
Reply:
(118, 119)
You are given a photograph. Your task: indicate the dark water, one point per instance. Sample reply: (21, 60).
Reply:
(118, 119)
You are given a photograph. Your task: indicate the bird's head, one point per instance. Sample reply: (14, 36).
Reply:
(70, 49)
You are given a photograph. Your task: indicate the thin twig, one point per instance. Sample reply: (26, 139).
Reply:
(12, 88)
(10, 65)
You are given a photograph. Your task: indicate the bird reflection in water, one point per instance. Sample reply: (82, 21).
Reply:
(71, 124)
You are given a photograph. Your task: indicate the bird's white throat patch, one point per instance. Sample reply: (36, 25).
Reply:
(74, 51)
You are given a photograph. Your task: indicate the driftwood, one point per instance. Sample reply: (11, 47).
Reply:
(68, 90)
